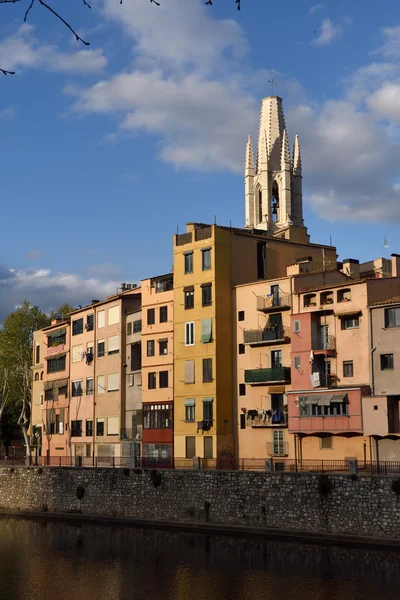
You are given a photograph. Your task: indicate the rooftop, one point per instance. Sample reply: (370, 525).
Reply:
(394, 300)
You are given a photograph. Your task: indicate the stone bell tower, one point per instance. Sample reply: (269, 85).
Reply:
(273, 186)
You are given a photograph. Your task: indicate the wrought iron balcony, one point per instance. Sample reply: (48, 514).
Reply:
(324, 342)
(269, 335)
(271, 375)
(273, 303)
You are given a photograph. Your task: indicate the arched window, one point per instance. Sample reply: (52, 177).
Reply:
(41, 376)
(36, 376)
(260, 213)
(275, 203)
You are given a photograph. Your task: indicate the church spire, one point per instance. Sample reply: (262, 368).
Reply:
(296, 157)
(285, 154)
(249, 155)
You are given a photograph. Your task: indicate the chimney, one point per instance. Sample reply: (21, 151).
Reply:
(123, 287)
(351, 267)
(395, 265)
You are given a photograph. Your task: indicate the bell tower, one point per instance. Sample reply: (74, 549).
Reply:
(273, 186)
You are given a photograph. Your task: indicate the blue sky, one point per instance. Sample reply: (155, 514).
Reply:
(107, 149)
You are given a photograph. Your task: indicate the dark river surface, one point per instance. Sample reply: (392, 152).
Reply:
(57, 561)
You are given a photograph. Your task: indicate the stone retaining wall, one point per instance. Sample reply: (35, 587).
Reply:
(334, 504)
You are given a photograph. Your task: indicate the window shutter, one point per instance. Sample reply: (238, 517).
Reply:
(206, 331)
(113, 315)
(77, 353)
(100, 384)
(112, 382)
(113, 426)
(189, 371)
(101, 321)
(129, 328)
(113, 343)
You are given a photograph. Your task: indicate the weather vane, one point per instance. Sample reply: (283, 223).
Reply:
(272, 82)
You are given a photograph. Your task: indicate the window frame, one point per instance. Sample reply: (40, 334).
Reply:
(163, 379)
(390, 363)
(355, 320)
(206, 294)
(189, 333)
(188, 297)
(188, 262)
(206, 252)
(77, 330)
(150, 348)
(346, 364)
(152, 378)
(163, 345)
(241, 315)
(89, 430)
(242, 389)
(101, 353)
(207, 370)
(151, 316)
(76, 431)
(163, 314)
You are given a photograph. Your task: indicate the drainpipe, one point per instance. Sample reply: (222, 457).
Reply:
(372, 353)
(94, 381)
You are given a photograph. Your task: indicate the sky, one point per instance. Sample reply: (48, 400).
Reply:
(107, 150)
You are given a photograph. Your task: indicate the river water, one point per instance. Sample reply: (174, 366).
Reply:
(57, 561)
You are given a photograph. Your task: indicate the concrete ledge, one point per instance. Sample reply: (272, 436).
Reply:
(216, 528)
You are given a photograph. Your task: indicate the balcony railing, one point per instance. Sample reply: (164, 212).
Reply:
(184, 238)
(325, 342)
(202, 233)
(54, 350)
(274, 374)
(266, 418)
(272, 304)
(266, 336)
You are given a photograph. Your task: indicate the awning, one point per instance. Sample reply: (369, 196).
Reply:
(340, 398)
(277, 389)
(349, 313)
(205, 400)
(61, 383)
(206, 331)
(55, 355)
(48, 385)
(57, 332)
(190, 402)
(325, 400)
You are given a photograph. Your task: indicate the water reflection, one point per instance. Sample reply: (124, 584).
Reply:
(58, 561)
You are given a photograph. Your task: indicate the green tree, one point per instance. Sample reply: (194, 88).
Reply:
(16, 353)
(62, 312)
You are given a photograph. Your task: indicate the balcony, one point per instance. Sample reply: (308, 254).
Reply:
(266, 418)
(273, 303)
(264, 376)
(325, 345)
(202, 233)
(183, 238)
(54, 350)
(264, 337)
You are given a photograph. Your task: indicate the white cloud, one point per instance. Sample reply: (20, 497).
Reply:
(23, 50)
(315, 8)
(329, 32)
(391, 46)
(7, 113)
(48, 290)
(386, 101)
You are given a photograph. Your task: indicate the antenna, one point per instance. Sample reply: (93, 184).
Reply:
(272, 81)
(215, 219)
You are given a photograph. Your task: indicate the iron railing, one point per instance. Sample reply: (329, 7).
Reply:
(274, 303)
(266, 336)
(324, 342)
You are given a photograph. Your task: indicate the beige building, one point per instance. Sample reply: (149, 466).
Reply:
(38, 367)
(131, 432)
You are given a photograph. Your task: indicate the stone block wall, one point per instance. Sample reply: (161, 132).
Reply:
(335, 504)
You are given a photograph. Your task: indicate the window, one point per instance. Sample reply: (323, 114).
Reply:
(260, 206)
(387, 362)
(189, 334)
(208, 447)
(113, 344)
(326, 443)
(60, 423)
(88, 450)
(344, 295)
(241, 315)
(163, 347)
(101, 319)
(89, 386)
(261, 264)
(113, 382)
(157, 416)
(163, 314)
(77, 388)
(276, 359)
(89, 427)
(129, 329)
(137, 379)
(189, 371)
(190, 447)
(297, 362)
(113, 315)
(206, 259)
(77, 353)
(100, 427)
(37, 359)
(48, 394)
(242, 421)
(76, 428)
(350, 322)
(333, 409)
(77, 327)
(206, 294)
(150, 347)
(136, 357)
(296, 326)
(137, 326)
(242, 389)
(208, 410)
(392, 317)
(189, 297)
(310, 300)
(188, 258)
(151, 316)
(56, 364)
(348, 370)
(163, 379)
(207, 370)
(242, 349)
(190, 410)
(101, 384)
(278, 442)
(63, 390)
(113, 426)
(206, 331)
(57, 339)
(100, 348)
(89, 322)
(152, 381)
(36, 376)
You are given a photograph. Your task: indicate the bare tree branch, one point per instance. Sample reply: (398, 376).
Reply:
(28, 10)
(7, 72)
(78, 38)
